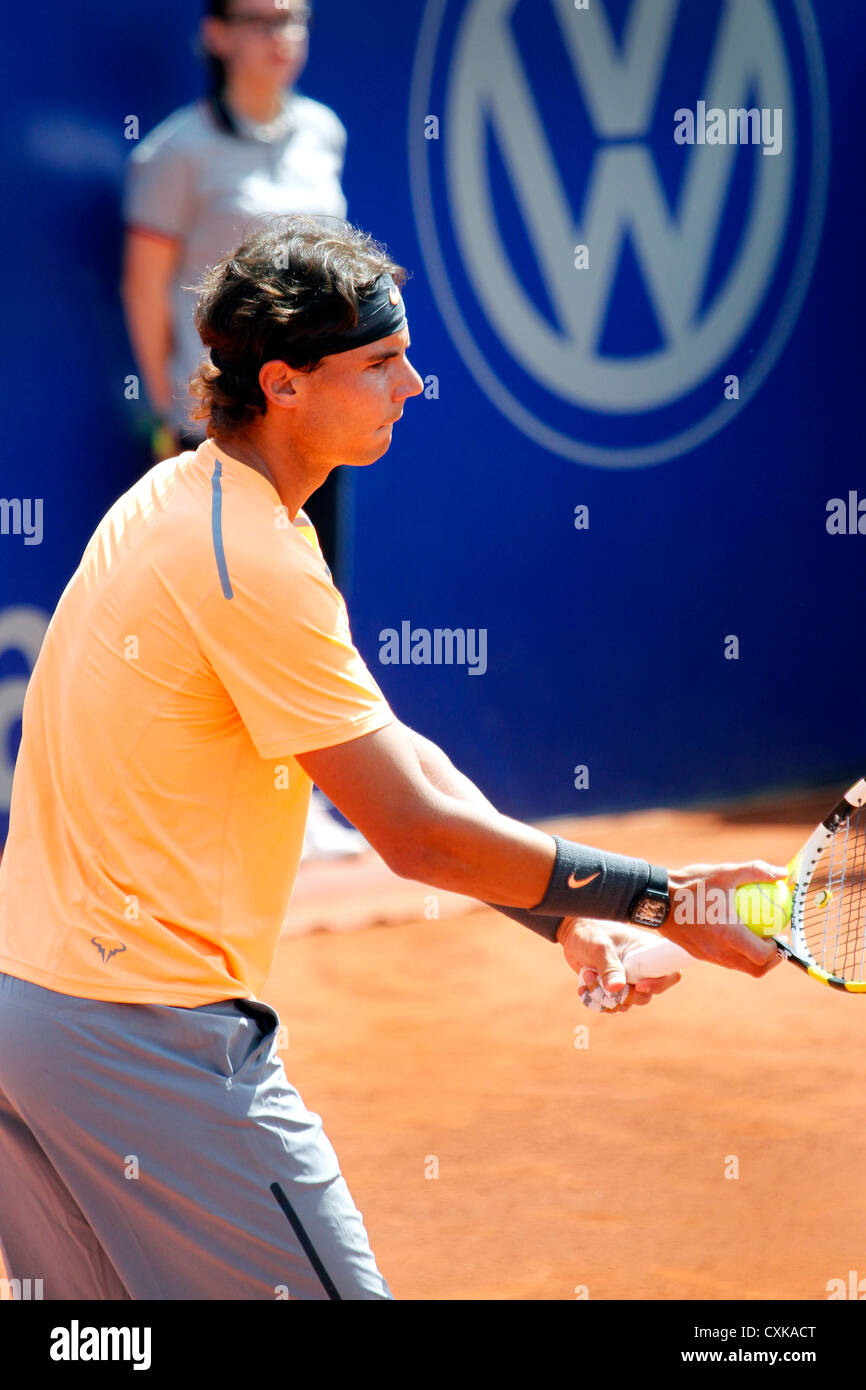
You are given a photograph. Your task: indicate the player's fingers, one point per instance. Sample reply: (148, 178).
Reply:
(772, 870)
(638, 995)
(587, 980)
(733, 874)
(760, 952)
(612, 970)
(743, 956)
(624, 997)
(644, 991)
(775, 959)
(758, 970)
(757, 871)
(642, 997)
(660, 985)
(627, 999)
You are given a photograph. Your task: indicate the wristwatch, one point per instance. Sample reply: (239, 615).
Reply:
(651, 908)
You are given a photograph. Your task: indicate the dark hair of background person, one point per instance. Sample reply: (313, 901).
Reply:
(216, 9)
(269, 300)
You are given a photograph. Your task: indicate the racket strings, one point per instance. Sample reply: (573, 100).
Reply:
(834, 909)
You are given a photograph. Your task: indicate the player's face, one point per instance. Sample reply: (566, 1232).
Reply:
(258, 41)
(350, 404)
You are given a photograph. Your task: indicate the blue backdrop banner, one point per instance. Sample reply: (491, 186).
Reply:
(615, 555)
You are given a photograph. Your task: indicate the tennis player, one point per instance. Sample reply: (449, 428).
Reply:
(197, 674)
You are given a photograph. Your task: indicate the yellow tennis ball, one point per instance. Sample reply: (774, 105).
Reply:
(765, 908)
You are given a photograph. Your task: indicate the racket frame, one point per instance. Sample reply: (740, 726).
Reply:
(800, 872)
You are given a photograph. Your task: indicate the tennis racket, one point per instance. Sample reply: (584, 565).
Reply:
(827, 929)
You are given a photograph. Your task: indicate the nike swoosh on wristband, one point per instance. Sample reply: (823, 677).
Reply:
(581, 882)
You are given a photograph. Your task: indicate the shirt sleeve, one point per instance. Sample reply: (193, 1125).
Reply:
(159, 193)
(282, 647)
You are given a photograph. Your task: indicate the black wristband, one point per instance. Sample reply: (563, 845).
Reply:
(544, 926)
(586, 882)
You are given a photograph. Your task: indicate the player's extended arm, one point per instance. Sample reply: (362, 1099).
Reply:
(423, 832)
(588, 945)
(442, 774)
(439, 769)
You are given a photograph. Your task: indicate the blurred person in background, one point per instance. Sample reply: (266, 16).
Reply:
(210, 174)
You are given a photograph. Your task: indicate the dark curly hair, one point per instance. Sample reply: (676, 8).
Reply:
(270, 299)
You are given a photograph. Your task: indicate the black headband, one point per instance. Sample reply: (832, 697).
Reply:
(381, 312)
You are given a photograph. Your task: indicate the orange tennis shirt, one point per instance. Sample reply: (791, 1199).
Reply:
(158, 813)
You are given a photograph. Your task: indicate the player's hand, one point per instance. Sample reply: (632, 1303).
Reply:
(597, 947)
(703, 918)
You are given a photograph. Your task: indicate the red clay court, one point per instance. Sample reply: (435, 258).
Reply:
(564, 1168)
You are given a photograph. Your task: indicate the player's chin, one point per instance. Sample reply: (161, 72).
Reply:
(380, 445)
(356, 458)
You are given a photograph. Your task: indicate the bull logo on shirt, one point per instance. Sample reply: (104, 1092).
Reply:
(108, 948)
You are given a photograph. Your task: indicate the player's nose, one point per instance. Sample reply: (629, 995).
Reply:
(412, 385)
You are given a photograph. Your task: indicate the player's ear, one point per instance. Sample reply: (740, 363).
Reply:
(280, 384)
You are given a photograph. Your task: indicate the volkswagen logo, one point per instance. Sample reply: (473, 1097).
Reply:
(601, 279)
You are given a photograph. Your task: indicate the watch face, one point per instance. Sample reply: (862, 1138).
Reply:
(650, 912)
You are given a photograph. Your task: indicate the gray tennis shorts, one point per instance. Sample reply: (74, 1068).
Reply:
(154, 1152)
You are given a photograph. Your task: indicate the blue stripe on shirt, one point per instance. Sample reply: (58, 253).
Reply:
(216, 518)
